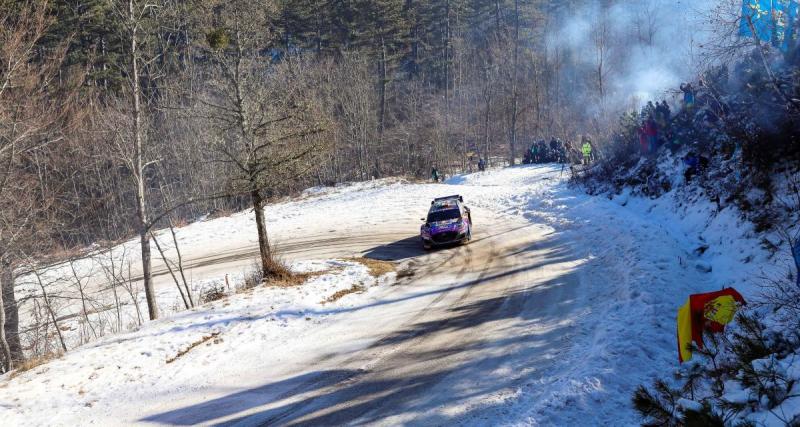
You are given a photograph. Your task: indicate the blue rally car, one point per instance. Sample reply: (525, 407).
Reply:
(449, 221)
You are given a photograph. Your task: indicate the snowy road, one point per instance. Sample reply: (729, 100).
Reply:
(483, 321)
(561, 306)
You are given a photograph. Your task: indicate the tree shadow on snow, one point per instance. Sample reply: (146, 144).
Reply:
(504, 341)
(400, 250)
(246, 399)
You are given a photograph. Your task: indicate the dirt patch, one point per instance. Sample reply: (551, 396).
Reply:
(281, 276)
(377, 268)
(344, 292)
(406, 272)
(195, 344)
(297, 279)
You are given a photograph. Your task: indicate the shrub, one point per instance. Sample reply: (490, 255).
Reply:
(213, 293)
(253, 277)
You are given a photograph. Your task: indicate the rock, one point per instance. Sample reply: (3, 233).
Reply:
(701, 250)
(703, 267)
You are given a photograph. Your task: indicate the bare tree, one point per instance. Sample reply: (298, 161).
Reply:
(33, 112)
(134, 16)
(263, 115)
(50, 310)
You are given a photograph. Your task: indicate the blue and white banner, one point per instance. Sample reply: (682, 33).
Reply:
(772, 21)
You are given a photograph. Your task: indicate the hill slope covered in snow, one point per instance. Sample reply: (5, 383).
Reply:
(624, 265)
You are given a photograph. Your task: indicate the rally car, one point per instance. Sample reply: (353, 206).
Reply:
(449, 221)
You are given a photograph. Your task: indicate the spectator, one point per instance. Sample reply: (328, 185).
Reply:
(694, 164)
(667, 112)
(562, 152)
(587, 151)
(688, 96)
(481, 164)
(435, 174)
(662, 114)
(651, 130)
(643, 141)
(673, 141)
(541, 151)
(555, 150)
(650, 109)
(571, 153)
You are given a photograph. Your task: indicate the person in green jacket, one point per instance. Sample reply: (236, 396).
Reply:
(587, 152)
(435, 174)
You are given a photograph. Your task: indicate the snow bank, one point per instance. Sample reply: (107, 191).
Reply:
(645, 257)
(104, 381)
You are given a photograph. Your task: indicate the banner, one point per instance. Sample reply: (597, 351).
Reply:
(705, 312)
(772, 21)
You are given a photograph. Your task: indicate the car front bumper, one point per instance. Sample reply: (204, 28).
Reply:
(446, 238)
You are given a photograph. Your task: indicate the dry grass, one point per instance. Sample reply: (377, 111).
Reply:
(279, 275)
(340, 294)
(33, 362)
(252, 277)
(180, 222)
(193, 345)
(220, 213)
(289, 281)
(377, 268)
(294, 279)
(215, 293)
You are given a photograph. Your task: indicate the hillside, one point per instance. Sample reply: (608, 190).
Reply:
(560, 307)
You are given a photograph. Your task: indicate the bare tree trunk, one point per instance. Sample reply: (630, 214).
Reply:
(180, 263)
(7, 361)
(382, 112)
(83, 298)
(130, 287)
(10, 321)
(512, 132)
(171, 272)
(487, 130)
(263, 238)
(52, 313)
(116, 304)
(514, 88)
(138, 172)
(446, 60)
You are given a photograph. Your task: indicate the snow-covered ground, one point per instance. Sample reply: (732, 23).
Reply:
(635, 262)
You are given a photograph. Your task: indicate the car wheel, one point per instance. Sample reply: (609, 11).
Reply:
(469, 236)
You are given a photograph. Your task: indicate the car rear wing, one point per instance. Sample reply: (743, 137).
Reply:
(454, 197)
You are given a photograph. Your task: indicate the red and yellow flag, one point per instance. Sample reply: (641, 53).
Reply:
(710, 311)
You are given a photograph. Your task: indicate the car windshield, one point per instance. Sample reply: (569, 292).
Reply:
(444, 215)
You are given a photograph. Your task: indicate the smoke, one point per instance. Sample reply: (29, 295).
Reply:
(633, 51)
